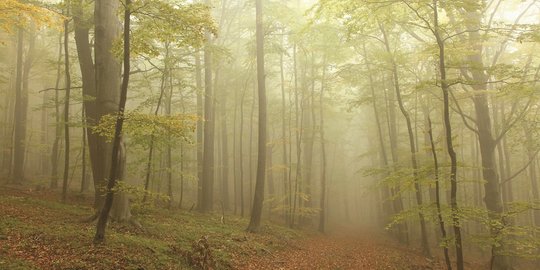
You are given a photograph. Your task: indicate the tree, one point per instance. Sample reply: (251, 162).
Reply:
(18, 14)
(258, 198)
(66, 106)
(207, 186)
(117, 156)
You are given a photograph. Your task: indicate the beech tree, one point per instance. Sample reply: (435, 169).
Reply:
(258, 199)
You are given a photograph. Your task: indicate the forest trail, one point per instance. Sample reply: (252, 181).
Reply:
(343, 251)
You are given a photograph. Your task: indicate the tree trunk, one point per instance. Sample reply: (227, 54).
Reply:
(492, 199)
(438, 193)
(258, 199)
(270, 176)
(86, 64)
(322, 205)
(209, 126)
(168, 111)
(250, 150)
(299, 109)
(118, 157)
(241, 153)
(84, 173)
(532, 174)
(107, 78)
(284, 130)
(412, 145)
(55, 155)
(309, 143)
(66, 107)
(449, 143)
(21, 104)
(395, 192)
(387, 206)
(200, 121)
(225, 156)
(44, 137)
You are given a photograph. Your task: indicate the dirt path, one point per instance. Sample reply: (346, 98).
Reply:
(342, 252)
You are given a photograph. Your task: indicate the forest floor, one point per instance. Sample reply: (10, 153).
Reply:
(39, 232)
(344, 251)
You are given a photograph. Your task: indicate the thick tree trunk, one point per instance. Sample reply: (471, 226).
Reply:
(24, 65)
(258, 199)
(20, 126)
(117, 166)
(107, 78)
(532, 174)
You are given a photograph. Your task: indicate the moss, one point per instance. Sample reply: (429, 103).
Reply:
(55, 233)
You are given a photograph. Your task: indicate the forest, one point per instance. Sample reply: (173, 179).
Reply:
(269, 134)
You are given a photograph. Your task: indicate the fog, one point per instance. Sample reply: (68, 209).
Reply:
(417, 120)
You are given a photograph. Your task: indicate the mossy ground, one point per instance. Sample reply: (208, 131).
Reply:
(39, 232)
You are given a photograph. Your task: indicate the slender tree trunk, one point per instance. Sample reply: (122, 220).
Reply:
(241, 152)
(200, 121)
(250, 150)
(44, 137)
(270, 176)
(299, 109)
(209, 126)
(438, 194)
(168, 111)
(149, 163)
(412, 145)
(58, 128)
(84, 173)
(182, 172)
(387, 206)
(225, 156)
(234, 154)
(284, 129)
(323, 202)
(309, 143)
(256, 212)
(395, 192)
(449, 143)
(66, 108)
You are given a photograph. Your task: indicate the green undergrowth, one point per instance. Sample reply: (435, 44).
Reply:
(38, 233)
